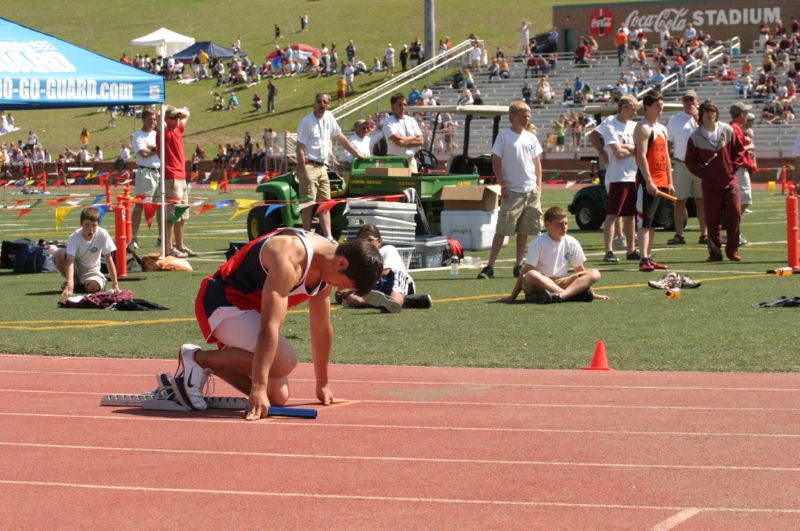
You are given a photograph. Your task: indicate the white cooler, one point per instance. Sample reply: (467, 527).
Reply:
(474, 229)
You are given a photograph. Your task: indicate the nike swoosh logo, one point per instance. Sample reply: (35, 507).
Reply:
(187, 380)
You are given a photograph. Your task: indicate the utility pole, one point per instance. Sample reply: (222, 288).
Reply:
(431, 48)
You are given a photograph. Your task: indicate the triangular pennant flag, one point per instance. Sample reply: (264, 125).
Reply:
(103, 209)
(569, 184)
(239, 212)
(204, 209)
(214, 185)
(58, 201)
(98, 199)
(23, 212)
(61, 214)
(326, 207)
(150, 210)
(74, 202)
(179, 210)
(37, 203)
(246, 203)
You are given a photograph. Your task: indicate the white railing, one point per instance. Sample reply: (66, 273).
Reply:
(392, 84)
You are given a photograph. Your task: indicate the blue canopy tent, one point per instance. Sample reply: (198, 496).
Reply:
(39, 71)
(211, 49)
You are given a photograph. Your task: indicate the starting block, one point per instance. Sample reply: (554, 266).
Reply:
(163, 399)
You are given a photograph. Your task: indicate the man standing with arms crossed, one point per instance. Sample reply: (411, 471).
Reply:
(655, 174)
(517, 165)
(314, 136)
(148, 163)
(621, 177)
(403, 135)
(679, 128)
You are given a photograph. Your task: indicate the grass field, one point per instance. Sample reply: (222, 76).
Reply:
(712, 328)
(107, 28)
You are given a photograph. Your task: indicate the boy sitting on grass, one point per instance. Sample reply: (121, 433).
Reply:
(545, 279)
(80, 261)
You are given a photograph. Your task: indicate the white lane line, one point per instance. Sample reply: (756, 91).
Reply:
(486, 404)
(237, 421)
(400, 499)
(508, 462)
(676, 519)
(492, 384)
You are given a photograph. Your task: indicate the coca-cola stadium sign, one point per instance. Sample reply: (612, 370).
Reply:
(721, 20)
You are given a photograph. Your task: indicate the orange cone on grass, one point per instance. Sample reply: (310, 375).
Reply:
(600, 360)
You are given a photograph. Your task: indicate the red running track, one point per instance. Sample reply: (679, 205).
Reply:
(409, 447)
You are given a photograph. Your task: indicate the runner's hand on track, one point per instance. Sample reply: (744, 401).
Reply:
(258, 404)
(325, 395)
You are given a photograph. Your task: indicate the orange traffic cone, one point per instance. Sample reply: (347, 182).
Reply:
(600, 361)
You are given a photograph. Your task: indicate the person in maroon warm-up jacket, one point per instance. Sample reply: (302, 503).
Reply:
(710, 154)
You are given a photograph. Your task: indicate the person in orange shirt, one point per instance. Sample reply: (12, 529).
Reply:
(341, 90)
(654, 175)
(621, 40)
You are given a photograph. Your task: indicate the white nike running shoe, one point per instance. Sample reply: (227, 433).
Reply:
(190, 378)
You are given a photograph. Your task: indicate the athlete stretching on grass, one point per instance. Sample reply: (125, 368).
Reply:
(243, 306)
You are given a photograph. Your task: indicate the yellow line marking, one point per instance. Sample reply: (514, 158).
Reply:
(83, 324)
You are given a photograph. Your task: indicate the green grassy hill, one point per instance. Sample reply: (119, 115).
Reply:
(108, 28)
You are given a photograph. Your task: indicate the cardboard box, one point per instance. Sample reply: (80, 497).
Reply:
(385, 171)
(481, 197)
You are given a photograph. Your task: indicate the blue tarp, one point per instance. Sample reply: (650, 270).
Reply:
(39, 71)
(211, 49)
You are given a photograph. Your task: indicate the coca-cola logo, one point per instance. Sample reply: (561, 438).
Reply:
(601, 22)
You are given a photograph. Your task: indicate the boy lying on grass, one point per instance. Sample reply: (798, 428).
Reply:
(545, 278)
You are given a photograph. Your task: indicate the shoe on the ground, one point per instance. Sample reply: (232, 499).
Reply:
(551, 298)
(734, 257)
(486, 272)
(517, 270)
(677, 240)
(703, 240)
(634, 255)
(177, 253)
(586, 295)
(188, 251)
(656, 265)
(420, 301)
(378, 299)
(164, 389)
(742, 241)
(645, 266)
(618, 244)
(714, 258)
(688, 283)
(190, 378)
(610, 258)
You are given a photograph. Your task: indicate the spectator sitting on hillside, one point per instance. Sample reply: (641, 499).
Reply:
(257, 103)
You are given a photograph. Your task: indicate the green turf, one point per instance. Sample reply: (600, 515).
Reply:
(711, 328)
(108, 28)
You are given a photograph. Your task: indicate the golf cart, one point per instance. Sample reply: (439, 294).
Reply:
(362, 180)
(589, 203)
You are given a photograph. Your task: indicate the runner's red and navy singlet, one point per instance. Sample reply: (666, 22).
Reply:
(239, 282)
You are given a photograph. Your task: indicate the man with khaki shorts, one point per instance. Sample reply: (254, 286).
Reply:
(679, 129)
(517, 166)
(148, 164)
(314, 135)
(176, 189)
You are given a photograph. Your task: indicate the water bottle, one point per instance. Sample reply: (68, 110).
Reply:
(674, 293)
(783, 271)
(454, 266)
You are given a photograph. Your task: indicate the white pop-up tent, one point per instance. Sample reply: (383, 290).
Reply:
(167, 42)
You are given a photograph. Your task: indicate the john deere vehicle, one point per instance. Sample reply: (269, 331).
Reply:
(376, 176)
